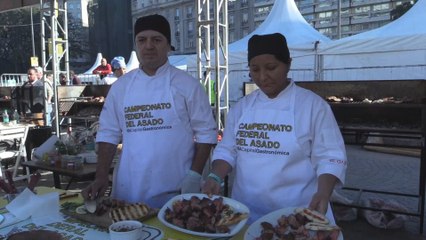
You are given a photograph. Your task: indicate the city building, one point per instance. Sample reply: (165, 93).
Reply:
(110, 29)
(245, 15)
(78, 33)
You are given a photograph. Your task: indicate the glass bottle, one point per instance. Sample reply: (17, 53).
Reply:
(5, 116)
(16, 116)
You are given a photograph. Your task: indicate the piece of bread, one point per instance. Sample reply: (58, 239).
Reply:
(130, 212)
(320, 227)
(312, 215)
(231, 219)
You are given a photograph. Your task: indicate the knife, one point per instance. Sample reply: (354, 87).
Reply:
(90, 205)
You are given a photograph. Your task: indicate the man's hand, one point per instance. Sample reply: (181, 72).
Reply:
(191, 182)
(96, 189)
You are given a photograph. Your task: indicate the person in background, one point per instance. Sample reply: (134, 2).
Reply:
(34, 77)
(32, 93)
(118, 65)
(63, 79)
(104, 69)
(282, 141)
(74, 78)
(48, 84)
(163, 118)
(39, 72)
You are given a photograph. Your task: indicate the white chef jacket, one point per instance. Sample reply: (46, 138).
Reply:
(158, 118)
(318, 144)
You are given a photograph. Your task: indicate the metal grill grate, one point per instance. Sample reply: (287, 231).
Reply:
(65, 106)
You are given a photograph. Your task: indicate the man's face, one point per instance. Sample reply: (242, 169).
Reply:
(32, 75)
(152, 48)
(120, 72)
(39, 75)
(103, 62)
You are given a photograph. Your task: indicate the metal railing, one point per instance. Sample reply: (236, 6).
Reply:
(89, 79)
(13, 79)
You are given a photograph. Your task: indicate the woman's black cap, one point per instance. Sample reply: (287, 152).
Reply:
(274, 44)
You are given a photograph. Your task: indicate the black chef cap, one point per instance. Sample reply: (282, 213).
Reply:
(274, 44)
(154, 22)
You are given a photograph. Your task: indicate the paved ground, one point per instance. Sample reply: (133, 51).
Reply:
(367, 170)
(385, 172)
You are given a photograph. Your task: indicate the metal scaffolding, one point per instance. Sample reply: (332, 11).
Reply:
(54, 49)
(206, 70)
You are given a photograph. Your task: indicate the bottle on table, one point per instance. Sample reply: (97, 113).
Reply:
(5, 116)
(16, 116)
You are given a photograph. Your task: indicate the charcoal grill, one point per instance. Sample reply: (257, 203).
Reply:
(73, 100)
(405, 120)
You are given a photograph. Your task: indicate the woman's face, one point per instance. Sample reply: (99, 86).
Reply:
(269, 74)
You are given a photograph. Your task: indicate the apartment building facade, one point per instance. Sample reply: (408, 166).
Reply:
(244, 16)
(78, 30)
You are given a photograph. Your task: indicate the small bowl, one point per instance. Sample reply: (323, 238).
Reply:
(126, 230)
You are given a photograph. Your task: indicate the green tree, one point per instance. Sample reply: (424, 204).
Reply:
(15, 40)
(401, 9)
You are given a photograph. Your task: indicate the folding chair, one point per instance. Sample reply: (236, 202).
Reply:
(17, 133)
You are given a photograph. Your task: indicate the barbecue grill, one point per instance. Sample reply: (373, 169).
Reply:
(75, 99)
(400, 123)
(78, 103)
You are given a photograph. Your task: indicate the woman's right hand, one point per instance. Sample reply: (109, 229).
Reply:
(96, 189)
(211, 187)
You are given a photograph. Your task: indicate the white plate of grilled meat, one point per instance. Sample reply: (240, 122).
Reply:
(293, 223)
(200, 215)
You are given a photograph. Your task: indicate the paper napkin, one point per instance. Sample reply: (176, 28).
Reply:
(42, 209)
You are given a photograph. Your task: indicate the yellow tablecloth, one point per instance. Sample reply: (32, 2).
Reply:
(168, 232)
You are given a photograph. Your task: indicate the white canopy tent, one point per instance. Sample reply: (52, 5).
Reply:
(302, 39)
(95, 65)
(395, 51)
(133, 62)
(180, 61)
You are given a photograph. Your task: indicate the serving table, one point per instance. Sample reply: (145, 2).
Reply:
(87, 171)
(77, 229)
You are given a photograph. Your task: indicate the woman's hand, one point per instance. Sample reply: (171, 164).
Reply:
(211, 187)
(319, 202)
(321, 198)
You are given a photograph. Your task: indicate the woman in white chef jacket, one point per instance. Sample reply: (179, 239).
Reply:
(282, 141)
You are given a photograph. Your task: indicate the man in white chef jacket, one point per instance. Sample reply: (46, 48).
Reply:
(282, 141)
(163, 118)
(118, 66)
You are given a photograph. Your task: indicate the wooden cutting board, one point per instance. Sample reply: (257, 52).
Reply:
(103, 220)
